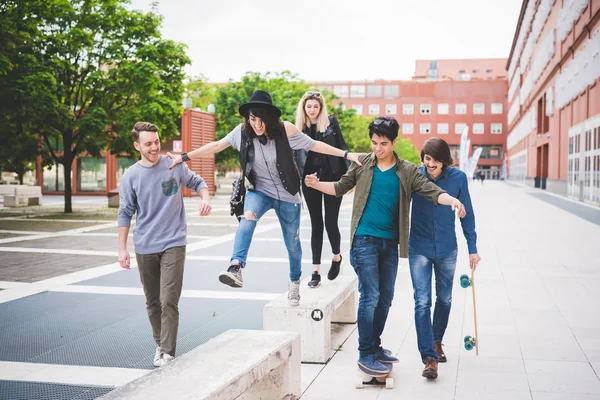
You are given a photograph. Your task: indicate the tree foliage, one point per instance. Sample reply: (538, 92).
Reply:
(102, 67)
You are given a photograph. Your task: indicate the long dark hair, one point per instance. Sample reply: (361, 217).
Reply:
(439, 150)
(273, 124)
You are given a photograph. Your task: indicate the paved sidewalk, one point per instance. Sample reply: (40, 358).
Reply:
(538, 296)
(63, 300)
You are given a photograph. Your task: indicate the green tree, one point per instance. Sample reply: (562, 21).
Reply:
(25, 86)
(108, 67)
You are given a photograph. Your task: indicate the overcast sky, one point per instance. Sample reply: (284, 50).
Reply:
(334, 39)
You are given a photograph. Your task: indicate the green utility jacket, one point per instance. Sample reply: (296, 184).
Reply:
(411, 180)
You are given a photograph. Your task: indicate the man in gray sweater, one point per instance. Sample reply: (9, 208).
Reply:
(153, 191)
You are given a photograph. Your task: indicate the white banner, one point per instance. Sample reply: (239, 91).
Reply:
(473, 161)
(464, 150)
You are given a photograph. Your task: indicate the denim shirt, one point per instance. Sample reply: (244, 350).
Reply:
(432, 231)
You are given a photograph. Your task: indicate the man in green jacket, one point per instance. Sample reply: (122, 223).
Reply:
(380, 214)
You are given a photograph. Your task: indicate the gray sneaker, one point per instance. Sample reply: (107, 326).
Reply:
(233, 276)
(294, 293)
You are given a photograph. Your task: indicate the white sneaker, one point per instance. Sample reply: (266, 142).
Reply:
(166, 358)
(294, 293)
(157, 357)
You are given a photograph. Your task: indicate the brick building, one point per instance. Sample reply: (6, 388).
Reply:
(98, 176)
(433, 103)
(554, 98)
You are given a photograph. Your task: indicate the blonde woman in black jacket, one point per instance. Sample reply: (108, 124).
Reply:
(313, 120)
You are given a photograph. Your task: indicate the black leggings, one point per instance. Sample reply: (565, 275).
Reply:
(314, 200)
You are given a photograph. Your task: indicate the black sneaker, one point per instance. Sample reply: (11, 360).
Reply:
(334, 271)
(315, 281)
(233, 276)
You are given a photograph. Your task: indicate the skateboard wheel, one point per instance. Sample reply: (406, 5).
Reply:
(465, 281)
(467, 339)
(389, 383)
(360, 384)
(469, 346)
(469, 343)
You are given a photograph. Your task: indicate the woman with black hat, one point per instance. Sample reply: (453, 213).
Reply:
(312, 118)
(266, 145)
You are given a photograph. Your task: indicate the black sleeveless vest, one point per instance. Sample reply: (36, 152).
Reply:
(288, 171)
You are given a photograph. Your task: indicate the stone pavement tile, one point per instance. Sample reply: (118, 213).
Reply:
(487, 375)
(33, 267)
(589, 340)
(80, 242)
(563, 396)
(308, 373)
(562, 377)
(41, 226)
(546, 345)
(469, 394)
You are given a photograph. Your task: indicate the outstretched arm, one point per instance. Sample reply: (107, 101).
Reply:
(207, 149)
(321, 147)
(312, 181)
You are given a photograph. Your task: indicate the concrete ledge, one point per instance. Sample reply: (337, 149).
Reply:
(333, 301)
(21, 195)
(238, 364)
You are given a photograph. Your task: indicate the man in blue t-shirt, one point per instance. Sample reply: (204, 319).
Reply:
(379, 226)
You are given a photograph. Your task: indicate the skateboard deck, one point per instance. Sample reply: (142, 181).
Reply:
(369, 379)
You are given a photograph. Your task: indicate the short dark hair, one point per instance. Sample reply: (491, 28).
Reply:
(272, 121)
(439, 150)
(384, 126)
(142, 127)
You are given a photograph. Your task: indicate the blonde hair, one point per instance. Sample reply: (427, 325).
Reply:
(302, 120)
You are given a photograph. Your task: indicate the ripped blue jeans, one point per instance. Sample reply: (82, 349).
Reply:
(289, 219)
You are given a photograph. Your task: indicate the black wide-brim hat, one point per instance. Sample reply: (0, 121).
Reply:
(259, 99)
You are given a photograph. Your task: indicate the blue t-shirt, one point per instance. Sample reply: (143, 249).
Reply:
(380, 216)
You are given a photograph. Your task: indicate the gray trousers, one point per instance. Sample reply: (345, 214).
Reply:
(162, 279)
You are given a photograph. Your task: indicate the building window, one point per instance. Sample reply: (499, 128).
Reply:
(91, 174)
(478, 108)
(407, 129)
(425, 108)
(374, 90)
(475, 71)
(459, 127)
(342, 106)
(460, 108)
(443, 108)
(478, 128)
(425, 128)
(490, 152)
(340, 90)
(496, 108)
(357, 91)
(489, 71)
(454, 152)
(54, 178)
(373, 109)
(390, 109)
(122, 164)
(442, 129)
(321, 88)
(496, 128)
(461, 71)
(543, 121)
(390, 91)
(408, 109)
(357, 108)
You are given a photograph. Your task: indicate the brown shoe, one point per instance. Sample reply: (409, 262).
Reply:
(431, 368)
(438, 348)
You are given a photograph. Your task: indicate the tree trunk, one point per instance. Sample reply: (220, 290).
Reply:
(68, 192)
(68, 164)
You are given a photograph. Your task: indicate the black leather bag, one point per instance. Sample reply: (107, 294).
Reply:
(236, 203)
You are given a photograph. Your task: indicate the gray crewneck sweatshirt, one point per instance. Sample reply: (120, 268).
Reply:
(155, 194)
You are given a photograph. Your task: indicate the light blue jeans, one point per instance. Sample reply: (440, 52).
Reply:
(421, 269)
(289, 219)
